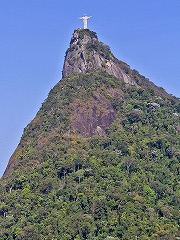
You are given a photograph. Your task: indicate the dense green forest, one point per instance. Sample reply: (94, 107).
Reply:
(119, 185)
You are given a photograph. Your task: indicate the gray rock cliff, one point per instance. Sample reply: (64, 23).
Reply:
(86, 53)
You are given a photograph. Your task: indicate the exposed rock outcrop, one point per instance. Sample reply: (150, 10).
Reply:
(92, 117)
(86, 53)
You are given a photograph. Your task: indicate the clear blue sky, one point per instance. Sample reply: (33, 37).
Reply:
(34, 35)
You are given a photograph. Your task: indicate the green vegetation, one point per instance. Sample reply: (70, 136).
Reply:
(99, 47)
(123, 186)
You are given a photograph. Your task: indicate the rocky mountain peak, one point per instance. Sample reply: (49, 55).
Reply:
(86, 54)
(100, 156)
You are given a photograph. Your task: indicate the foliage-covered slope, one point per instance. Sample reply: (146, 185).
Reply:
(122, 183)
(99, 161)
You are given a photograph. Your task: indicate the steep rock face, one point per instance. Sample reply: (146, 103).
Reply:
(92, 117)
(86, 53)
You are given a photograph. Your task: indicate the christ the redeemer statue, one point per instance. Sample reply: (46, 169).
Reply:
(85, 18)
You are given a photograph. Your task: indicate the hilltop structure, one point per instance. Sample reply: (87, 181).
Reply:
(85, 19)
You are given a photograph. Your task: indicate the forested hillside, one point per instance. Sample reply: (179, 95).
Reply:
(99, 161)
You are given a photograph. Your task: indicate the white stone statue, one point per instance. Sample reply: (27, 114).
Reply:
(85, 18)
